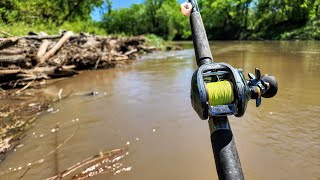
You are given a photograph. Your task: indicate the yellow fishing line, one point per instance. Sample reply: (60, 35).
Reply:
(220, 93)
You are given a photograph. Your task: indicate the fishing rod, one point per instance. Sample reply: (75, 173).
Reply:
(219, 90)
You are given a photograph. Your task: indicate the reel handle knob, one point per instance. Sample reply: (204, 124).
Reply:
(273, 86)
(256, 94)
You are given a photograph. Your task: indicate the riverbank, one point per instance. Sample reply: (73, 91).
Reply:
(29, 63)
(31, 60)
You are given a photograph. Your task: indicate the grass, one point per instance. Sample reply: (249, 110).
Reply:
(20, 29)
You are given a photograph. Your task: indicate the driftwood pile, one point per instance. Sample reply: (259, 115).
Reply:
(23, 60)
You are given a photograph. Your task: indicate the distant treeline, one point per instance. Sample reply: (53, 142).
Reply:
(223, 19)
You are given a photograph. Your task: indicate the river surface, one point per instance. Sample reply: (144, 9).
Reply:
(145, 107)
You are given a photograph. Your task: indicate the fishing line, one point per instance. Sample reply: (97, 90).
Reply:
(220, 93)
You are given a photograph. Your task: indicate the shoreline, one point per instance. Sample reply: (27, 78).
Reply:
(22, 80)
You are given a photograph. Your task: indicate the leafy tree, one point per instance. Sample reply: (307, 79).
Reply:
(160, 17)
(56, 11)
(126, 20)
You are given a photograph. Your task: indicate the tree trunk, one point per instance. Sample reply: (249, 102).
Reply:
(109, 6)
(246, 15)
(71, 11)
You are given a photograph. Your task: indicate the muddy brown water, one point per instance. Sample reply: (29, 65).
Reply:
(146, 107)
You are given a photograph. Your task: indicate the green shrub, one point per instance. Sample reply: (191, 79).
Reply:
(156, 41)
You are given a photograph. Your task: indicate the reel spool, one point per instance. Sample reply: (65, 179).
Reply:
(219, 93)
(218, 89)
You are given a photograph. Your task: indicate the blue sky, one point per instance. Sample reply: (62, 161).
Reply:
(97, 13)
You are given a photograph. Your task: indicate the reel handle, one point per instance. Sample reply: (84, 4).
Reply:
(262, 86)
(273, 86)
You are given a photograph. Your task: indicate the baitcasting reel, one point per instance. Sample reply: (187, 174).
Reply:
(218, 89)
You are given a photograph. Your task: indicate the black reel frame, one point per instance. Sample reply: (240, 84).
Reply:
(214, 72)
(224, 149)
(255, 88)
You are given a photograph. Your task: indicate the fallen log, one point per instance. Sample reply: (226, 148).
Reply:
(56, 47)
(148, 49)
(11, 52)
(52, 37)
(12, 59)
(43, 48)
(131, 52)
(9, 71)
(8, 43)
(68, 67)
(40, 38)
(46, 70)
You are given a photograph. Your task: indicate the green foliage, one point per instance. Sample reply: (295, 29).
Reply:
(160, 17)
(126, 20)
(43, 11)
(18, 17)
(223, 19)
(226, 19)
(274, 18)
(78, 26)
(21, 28)
(156, 41)
(310, 31)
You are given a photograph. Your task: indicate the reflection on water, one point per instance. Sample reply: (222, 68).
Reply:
(145, 107)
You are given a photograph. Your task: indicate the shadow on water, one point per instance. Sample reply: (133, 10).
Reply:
(146, 108)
